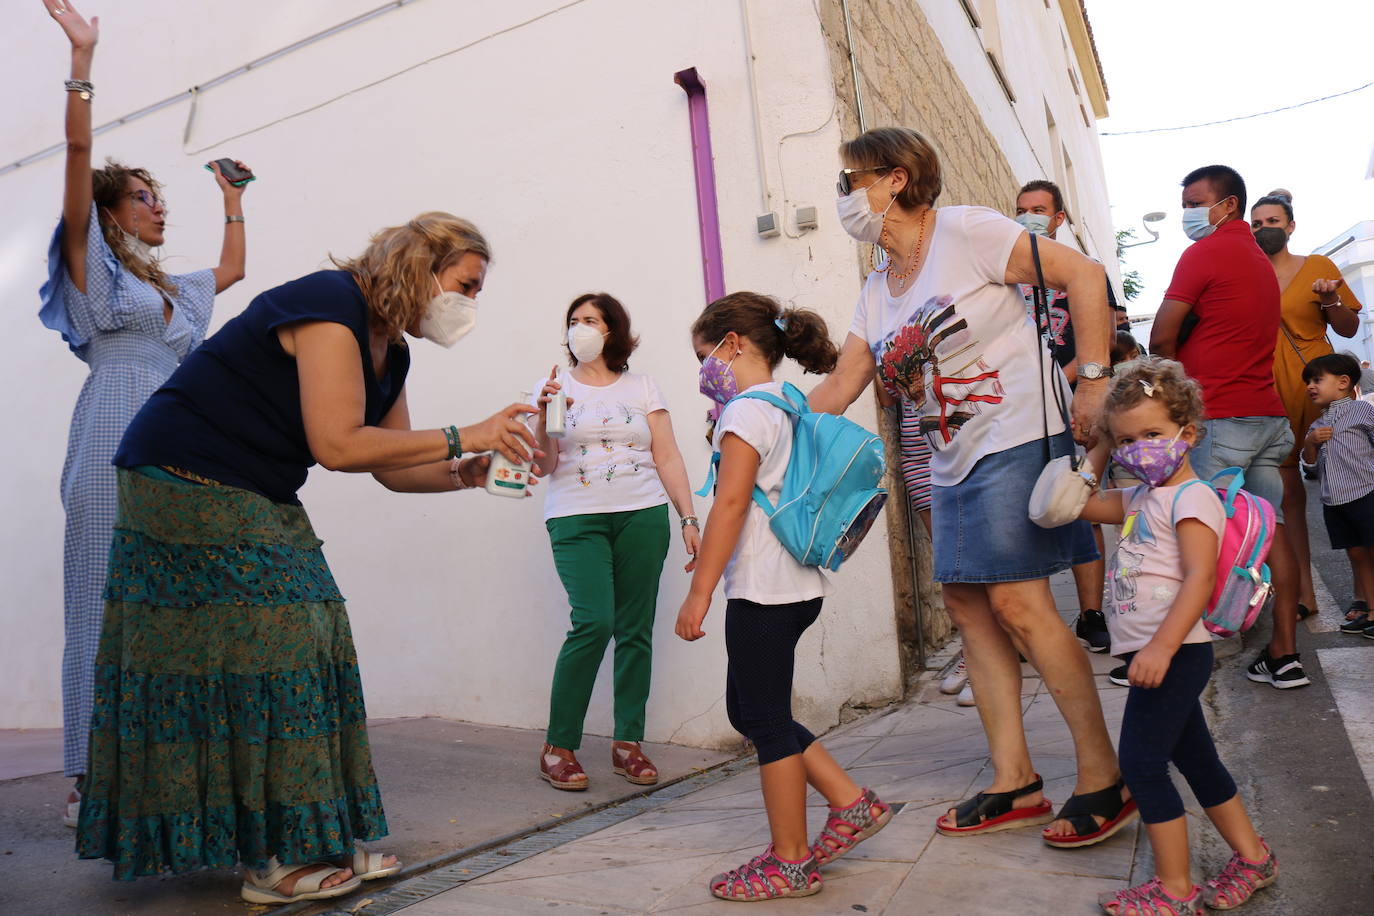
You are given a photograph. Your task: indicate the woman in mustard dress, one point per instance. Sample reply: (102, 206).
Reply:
(1314, 298)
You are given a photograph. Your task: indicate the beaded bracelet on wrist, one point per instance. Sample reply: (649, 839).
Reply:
(455, 447)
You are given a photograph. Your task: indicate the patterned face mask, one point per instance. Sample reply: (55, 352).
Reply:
(716, 380)
(1152, 460)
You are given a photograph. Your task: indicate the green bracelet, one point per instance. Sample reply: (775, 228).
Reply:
(455, 447)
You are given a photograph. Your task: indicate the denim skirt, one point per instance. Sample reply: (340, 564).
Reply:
(981, 529)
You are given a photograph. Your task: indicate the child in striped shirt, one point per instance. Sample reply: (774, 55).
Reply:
(1340, 443)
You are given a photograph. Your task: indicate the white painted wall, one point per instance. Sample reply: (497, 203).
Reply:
(1037, 66)
(567, 142)
(1355, 259)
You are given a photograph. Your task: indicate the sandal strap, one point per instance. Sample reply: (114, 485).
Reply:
(987, 805)
(858, 817)
(635, 763)
(564, 769)
(1079, 810)
(754, 879)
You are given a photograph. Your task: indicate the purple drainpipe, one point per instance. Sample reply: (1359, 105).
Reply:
(708, 218)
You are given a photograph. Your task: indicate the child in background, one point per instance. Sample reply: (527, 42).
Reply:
(1124, 349)
(1341, 445)
(1160, 577)
(770, 598)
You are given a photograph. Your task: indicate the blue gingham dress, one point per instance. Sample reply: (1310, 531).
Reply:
(116, 327)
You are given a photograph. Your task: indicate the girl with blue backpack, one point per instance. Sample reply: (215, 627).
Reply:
(772, 597)
(1161, 578)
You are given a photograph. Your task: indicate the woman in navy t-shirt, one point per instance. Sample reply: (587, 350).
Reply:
(229, 723)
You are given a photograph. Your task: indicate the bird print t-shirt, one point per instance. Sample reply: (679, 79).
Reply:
(959, 345)
(606, 462)
(1145, 571)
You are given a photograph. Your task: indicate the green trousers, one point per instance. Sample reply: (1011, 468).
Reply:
(609, 563)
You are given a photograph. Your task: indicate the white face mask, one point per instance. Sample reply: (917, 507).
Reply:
(585, 342)
(134, 246)
(1197, 221)
(1037, 223)
(858, 219)
(449, 318)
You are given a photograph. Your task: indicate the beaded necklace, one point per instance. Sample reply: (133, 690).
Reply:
(915, 255)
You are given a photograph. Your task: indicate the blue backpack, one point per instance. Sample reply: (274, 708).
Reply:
(830, 494)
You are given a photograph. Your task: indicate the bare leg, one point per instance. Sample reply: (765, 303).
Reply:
(829, 777)
(925, 520)
(1088, 577)
(1236, 829)
(994, 667)
(1026, 610)
(1295, 519)
(1362, 569)
(1169, 841)
(1284, 640)
(784, 795)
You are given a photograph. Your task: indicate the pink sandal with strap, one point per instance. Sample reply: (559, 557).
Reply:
(848, 827)
(766, 877)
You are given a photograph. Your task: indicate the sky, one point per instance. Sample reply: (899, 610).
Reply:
(1177, 62)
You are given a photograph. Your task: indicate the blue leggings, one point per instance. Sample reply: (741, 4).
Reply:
(761, 643)
(1164, 724)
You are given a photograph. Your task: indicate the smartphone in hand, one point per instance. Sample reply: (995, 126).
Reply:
(232, 173)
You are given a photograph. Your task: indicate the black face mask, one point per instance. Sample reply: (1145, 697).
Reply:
(1271, 239)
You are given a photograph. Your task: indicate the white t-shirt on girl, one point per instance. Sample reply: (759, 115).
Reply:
(960, 346)
(1145, 570)
(605, 462)
(761, 570)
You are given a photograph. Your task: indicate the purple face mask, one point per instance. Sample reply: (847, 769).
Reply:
(715, 380)
(1152, 460)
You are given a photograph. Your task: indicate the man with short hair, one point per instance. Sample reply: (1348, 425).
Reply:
(1040, 210)
(1220, 318)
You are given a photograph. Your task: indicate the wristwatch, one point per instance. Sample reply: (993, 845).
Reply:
(1093, 371)
(690, 521)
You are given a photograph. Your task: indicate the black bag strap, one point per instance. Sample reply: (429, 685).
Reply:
(1042, 326)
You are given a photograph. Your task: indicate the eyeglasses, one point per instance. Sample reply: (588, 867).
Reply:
(844, 186)
(147, 198)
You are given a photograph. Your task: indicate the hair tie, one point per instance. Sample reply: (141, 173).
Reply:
(1149, 388)
(781, 323)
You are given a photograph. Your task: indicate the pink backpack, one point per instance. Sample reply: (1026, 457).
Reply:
(1242, 589)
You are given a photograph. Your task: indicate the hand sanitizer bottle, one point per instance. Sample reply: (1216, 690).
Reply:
(556, 417)
(506, 477)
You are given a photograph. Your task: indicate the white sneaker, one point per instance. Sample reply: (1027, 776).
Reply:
(966, 696)
(957, 677)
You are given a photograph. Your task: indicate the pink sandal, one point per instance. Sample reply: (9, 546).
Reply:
(766, 877)
(1151, 899)
(848, 827)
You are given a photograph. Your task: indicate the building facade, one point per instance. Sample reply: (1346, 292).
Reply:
(560, 129)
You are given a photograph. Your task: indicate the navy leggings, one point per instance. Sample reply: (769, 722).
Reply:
(1164, 724)
(761, 643)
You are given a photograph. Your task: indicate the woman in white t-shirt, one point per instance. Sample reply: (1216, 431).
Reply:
(945, 326)
(605, 506)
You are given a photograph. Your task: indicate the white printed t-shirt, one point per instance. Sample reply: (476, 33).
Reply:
(960, 346)
(605, 462)
(761, 570)
(1146, 570)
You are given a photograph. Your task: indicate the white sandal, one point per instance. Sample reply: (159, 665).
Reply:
(368, 866)
(73, 811)
(261, 888)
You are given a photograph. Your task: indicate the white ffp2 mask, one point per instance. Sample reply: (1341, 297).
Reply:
(585, 342)
(449, 318)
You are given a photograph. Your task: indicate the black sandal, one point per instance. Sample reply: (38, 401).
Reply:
(1079, 811)
(988, 812)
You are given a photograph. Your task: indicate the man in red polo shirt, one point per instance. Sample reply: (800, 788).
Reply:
(1220, 318)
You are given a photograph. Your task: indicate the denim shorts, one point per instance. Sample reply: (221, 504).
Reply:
(1256, 445)
(981, 529)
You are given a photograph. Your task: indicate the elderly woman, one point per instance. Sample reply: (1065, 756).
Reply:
(229, 723)
(132, 323)
(611, 477)
(946, 328)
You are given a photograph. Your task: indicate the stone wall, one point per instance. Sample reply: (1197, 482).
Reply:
(908, 81)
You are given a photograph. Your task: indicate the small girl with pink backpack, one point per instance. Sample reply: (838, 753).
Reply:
(1164, 578)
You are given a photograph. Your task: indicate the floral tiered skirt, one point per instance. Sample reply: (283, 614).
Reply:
(228, 724)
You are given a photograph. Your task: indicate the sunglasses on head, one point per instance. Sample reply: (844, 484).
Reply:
(844, 186)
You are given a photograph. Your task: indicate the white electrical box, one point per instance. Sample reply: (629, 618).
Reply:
(768, 225)
(806, 218)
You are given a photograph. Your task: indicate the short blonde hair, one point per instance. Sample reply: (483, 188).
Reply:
(886, 148)
(1153, 376)
(396, 270)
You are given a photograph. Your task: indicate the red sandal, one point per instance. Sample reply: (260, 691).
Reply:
(561, 772)
(633, 765)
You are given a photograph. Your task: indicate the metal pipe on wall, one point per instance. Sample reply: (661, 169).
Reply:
(854, 68)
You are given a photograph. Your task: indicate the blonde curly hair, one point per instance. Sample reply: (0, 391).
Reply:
(395, 271)
(109, 187)
(1150, 377)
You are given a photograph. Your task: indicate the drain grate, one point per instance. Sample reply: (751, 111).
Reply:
(485, 861)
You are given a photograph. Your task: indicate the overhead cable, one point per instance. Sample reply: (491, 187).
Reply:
(1258, 114)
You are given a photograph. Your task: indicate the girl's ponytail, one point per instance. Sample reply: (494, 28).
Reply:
(798, 334)
(806, 339)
